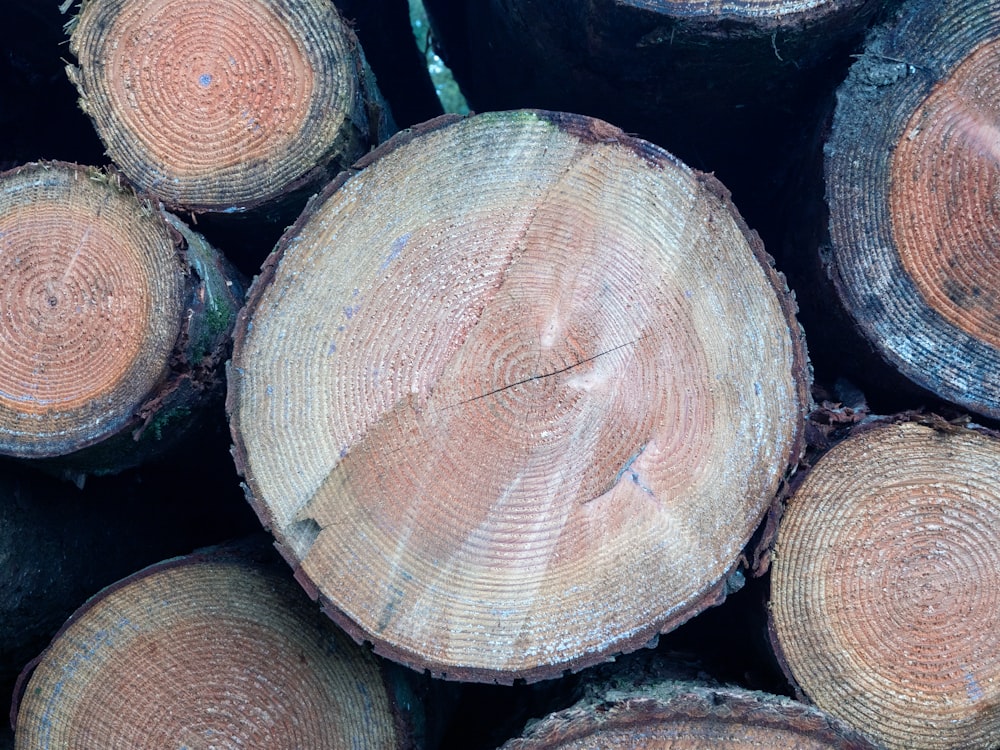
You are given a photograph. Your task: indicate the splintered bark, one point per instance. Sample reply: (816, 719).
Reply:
(513, 397)
(912, 174)
(885, 586)
(213, 650)
(689, 716)
(115, 319)
(225, 105)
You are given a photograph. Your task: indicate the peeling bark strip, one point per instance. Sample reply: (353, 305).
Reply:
(224, 105)
(114, 319)
(689, 716)
(213, 650)
(513, 397)
(912, 176)
(885, 586)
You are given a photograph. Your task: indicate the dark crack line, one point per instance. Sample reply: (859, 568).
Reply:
(546, 375)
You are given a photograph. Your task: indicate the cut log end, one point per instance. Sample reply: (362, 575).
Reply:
(206, 651)
(687, 716)
(516, 383)
(92, 290)
(944, 175)
(885, 586)
(221, 106)
(911, 177)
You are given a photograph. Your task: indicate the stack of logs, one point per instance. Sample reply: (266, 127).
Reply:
(329, 420)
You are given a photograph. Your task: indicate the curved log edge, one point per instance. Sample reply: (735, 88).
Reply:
(909, 179)
(883, 569)
(589, 134)
(226, 108)
(690, 714)
(382, 707)
(173, 387)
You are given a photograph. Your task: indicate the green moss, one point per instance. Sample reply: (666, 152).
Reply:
(164, 418)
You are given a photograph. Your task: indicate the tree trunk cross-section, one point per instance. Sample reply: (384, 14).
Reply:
(114, 317)
(885, 586)
(221, 106)
(513, 397)
(689, 716)
(913, 171)
(214, 650)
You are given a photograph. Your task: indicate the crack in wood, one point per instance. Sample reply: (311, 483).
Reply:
(545, 375)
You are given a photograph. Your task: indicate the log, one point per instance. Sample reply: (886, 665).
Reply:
(885, 585)
(729, 87)
(224, 106)
(513, 397)
(911, 172)
(667, 699)
(60, 545)
(686, 715)
(215, 649)
(116, 319)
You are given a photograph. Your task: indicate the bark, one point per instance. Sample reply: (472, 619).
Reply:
(218, 648)
(225, 106)
(910, 179)
(521, 407)
(884, 584)
(116, 321)
(726, 86)
(671, 704)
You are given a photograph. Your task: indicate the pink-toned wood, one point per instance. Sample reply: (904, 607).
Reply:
(513, 397)
(213, 650)
(114, 320)
(944, 174)
(884, 585)
(910, 180)
(225, 106)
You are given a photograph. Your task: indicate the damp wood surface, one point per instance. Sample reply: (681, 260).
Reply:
(216, 649)
(911, 178)
(884, 585)
(225, 106)
(514, 396)
(115, 318)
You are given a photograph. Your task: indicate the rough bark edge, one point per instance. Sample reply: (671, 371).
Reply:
(213, 293)
(748, 23)
(368, 121)
(242, 553)
(851, 422)
(903, 56)
(588, 130)
(687, 701)
(253, 553)
(262, 282)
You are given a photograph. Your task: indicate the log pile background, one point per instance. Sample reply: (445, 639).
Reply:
(115, 525)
